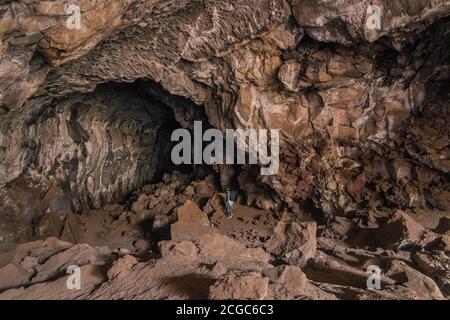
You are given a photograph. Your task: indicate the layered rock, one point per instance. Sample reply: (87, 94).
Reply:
(212, 256)
(99, 147)
(39, 261)
(246, 66)
(214, 266)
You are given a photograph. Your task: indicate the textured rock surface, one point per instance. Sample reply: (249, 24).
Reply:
(234, 286)
(85, 116)
(294, 242)
(423, 286)
(39, 261)
(100, 146)
(57, 290)
(249, 64)
(191, 222)
(231, 265)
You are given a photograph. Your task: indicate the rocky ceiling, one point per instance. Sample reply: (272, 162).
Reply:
(363, 113)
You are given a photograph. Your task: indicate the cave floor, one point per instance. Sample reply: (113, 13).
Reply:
(175, 242)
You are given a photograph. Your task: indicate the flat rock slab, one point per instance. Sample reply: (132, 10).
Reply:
(91, 277)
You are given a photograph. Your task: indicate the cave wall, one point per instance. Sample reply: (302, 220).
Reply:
(99, 147)
(363, 113)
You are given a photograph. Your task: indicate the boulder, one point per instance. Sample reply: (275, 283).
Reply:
(400, 226)
(239, 285)
(192, 222)
(444, 226)
(422, 286)
(91, 277)
(79, 255)
(293, 242)
(289, 282)
(230, 253)
(434, 261)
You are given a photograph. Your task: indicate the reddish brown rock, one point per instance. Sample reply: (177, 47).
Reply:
(192, 222)
(400, 226)
(79, 255)
(91, 277)
(289, 282)
(18, 266)
(328, 269)
(362, 113)
(233, 285)
(293, 242)
(13, 276)
(444, 226)
(230, 253)
(114, 227)
(423, 287)
(40, 261)
(434, 261)
(186, 248)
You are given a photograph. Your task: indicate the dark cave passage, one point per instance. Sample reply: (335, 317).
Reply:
(100, 152)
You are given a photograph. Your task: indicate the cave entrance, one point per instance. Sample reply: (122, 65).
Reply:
(85, 152)
(97, 157)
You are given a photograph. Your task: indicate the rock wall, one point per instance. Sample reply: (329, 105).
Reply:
(99, 147)
(363, 113)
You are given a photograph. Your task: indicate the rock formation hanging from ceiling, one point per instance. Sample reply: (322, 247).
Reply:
(86, 115)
